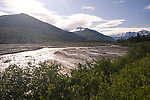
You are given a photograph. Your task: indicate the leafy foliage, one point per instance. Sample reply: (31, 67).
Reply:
(126, 78)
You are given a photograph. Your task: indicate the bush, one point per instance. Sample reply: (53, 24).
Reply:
(127, 77)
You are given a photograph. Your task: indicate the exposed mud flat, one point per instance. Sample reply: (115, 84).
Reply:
(69, 57)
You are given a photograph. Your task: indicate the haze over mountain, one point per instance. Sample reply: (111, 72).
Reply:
(22, 28)
(92, 35)
(130, 34)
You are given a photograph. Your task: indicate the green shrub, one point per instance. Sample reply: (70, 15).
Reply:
(127, 77)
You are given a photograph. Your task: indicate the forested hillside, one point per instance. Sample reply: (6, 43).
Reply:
(133, 40)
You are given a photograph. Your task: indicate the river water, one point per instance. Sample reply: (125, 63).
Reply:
(69, 57)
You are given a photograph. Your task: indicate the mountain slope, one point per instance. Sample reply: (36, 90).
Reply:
(92, 35)
(22, 28)
(130, 34)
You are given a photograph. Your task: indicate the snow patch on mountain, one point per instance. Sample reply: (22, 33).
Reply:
(129, 34)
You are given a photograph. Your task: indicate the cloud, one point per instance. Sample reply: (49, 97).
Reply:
(122, 1)
(3, 13)
(111, 23)
(110, 31)
(88, 7)
(31, 7)
(147, 7)
(38, 10)
(119, 1)
(76, 20)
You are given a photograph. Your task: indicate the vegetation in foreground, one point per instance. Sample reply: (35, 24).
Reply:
(126, 78)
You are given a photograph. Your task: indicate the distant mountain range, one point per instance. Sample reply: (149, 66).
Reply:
(130, 34)
(92, 35)
(22, 28)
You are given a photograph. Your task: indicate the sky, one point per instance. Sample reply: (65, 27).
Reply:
(106, 16)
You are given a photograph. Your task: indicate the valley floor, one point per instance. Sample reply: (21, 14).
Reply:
(69, 55)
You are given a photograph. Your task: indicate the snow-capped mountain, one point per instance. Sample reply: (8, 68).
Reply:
(78, 30)
(92, 35)
(130, 34)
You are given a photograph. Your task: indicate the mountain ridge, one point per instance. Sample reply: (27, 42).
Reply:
(130, 34)
(93, 35)
(23, 28)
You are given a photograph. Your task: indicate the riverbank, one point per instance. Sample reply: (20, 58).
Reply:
(16, 48)
(67, 56)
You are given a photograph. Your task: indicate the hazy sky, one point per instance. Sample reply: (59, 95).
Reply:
(106, 16)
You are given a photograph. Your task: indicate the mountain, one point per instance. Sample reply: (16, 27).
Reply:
(130, 34)
(92, 35)
(22, 28)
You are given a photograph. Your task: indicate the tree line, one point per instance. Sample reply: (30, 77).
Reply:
(136, 39)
